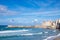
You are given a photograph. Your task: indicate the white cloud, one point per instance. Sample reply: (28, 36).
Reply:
(5, 11)
(3, 8)
(44, 13)
(41, 3)
(26, 11)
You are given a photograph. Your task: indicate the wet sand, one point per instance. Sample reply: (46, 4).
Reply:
(57, 38)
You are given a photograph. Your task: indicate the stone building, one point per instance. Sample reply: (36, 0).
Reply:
(49, 24)
(58, 24)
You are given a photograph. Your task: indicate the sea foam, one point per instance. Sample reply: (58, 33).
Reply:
(9, 31)
(12, 32)
(52, 37)
(18, 33)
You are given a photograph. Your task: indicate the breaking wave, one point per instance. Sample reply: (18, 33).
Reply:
(52, 37)
(12, 32)
(23, 32)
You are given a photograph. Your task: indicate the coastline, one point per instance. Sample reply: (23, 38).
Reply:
(56, 37)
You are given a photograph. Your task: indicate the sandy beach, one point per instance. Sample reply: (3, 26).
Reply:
(57, 38)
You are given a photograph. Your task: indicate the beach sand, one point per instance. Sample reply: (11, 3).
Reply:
(57, 38)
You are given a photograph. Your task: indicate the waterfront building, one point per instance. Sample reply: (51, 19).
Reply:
(47, 24)
(58, 24)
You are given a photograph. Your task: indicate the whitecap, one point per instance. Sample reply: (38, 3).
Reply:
(45, 32)
(10, 31)
(28, 34)
(40, 33)
(54, 31)
(32, 33)
(18, 33)
(52, 37)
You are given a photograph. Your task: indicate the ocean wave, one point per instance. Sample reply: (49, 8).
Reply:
(54, 31)
(10, 31)
(52, 37)
(30, 34)
(45, 32)
(18, 33)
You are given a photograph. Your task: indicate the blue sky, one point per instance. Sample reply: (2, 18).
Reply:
(28, 11)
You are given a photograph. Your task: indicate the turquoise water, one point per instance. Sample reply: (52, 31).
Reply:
(27, 34)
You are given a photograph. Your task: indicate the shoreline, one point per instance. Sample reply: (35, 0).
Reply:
(56, 37)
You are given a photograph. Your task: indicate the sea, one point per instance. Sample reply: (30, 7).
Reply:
(26, 33)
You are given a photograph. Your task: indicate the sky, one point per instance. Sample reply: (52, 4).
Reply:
(28, 12)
